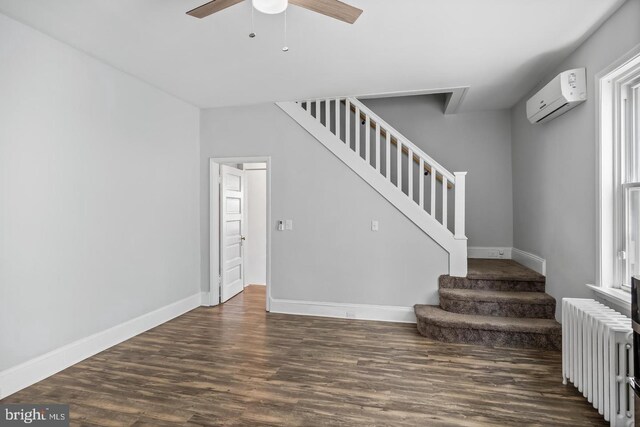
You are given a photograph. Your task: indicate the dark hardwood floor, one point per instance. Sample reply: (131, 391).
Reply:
(237, 365)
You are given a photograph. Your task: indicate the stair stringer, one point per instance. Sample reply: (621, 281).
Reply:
(455, 247)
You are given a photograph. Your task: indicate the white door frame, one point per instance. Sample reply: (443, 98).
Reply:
(214, 224)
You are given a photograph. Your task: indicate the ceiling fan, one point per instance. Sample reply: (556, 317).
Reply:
(333, 8)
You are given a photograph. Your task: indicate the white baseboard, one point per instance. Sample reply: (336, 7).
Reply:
(527, 259)
(385, 313)
(497, 252)
(30, 372)
(205, 299)
(532, 261)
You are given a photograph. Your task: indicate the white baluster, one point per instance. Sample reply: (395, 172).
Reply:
(388, 153)
(357, 142)
(410, 174)
(434, 174)
(367, 140)
(421, 184)
(318, 110)
(444, 201)
(377, 150)
(399, 163)
(308, 102)
(327, 115)
(459, 204)
(337, 122)
(347, 122)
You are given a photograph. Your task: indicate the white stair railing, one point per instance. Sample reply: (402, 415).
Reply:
(329, 113)
(385, 152)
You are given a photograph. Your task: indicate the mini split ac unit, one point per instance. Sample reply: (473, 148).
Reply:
(565, 91)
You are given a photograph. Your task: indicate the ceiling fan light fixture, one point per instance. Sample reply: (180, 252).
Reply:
(270, 7)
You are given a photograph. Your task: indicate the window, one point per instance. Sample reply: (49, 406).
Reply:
(619, 173)
(629, 189)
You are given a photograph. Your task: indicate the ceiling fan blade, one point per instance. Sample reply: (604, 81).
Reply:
(333, 8)
(212, 7)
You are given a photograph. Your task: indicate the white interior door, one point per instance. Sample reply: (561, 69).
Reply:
(231, 232)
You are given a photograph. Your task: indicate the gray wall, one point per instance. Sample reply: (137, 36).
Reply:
(98, 196)
(554, 175)
(331, 255)
(476, 142)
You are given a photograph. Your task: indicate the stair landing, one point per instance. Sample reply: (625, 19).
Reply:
(499, 303)
(501, 269)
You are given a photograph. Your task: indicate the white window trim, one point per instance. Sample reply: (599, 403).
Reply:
(608, 203)
(616, 296)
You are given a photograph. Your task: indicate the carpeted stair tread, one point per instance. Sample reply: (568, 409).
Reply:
(450, 282)
(434, 315)
(475, 295)
(501, 269)
(499, 303)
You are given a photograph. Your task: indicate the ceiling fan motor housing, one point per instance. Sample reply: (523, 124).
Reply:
(270, 7)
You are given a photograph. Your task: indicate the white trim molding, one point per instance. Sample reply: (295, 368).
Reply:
(498, 252)
(530, 260)
(609, 194)
(453, 96)
(205, 299)
(384, 313)
(19, 377)
(527, 259)
(615, 298)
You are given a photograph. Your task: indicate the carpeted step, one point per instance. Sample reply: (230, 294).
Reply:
(496, 275)
(449, 282)
(498, 303)
(435, 323)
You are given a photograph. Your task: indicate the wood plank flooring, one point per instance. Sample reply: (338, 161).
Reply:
(237, 365)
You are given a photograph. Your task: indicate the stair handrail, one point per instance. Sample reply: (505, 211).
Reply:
(406, 142)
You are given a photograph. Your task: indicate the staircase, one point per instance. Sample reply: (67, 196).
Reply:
(492, 302)
(499, 303)
(408, 178)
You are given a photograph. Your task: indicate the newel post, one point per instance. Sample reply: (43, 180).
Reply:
(459, 231)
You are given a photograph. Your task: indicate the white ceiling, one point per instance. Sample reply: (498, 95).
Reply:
(500, 48)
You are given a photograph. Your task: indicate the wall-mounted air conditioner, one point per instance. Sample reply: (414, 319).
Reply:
(565, 91)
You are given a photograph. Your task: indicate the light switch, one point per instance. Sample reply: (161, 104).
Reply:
(374, 225)
(288, 225)
(280, 225)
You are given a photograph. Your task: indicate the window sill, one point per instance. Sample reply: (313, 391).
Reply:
(616, 296)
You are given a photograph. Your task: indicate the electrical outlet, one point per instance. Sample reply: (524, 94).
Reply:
(374, 225)
(493, 253)
(288, 224)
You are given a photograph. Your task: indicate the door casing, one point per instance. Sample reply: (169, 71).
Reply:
(214, 221)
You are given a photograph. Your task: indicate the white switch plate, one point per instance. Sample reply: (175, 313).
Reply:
(374, 225)
(288, 224)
